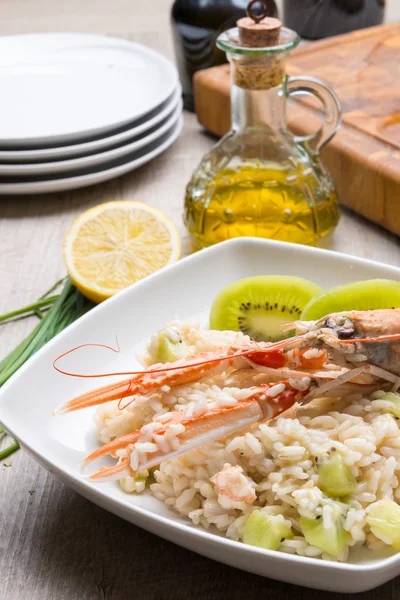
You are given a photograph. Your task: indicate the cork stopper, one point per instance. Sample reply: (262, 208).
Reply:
(259, 35)
(258, 31)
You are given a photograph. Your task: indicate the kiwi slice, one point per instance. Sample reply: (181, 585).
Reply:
(361, 295)
(258, 306)
(266, 531)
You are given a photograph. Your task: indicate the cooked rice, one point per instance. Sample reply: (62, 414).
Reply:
(271, 467)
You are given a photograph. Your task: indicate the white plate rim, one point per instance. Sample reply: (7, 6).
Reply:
(95, 39)
(87, 148)
(89, 490)
(90, 160)
(80, 181)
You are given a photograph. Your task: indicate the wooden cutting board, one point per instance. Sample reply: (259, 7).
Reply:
(364, 157)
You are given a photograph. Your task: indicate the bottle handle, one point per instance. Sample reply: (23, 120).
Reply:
(310, 86)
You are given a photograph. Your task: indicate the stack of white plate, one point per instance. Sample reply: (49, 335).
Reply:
(80, 109)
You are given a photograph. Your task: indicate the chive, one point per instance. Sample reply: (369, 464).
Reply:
(18, 350)
(35, 342)
(9, 450)
(54, 287)
(55, 312)
(15, 359)
(29, 308)
(67, 307)
(35, 313)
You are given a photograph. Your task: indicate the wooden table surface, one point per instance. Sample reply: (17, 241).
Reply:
(55, 545)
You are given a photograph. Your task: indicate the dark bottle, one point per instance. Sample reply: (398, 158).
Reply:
(315, 19)
(196, 25)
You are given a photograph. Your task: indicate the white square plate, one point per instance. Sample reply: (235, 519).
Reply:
(185, 289)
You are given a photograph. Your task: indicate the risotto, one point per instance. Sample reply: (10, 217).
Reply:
(271, 469)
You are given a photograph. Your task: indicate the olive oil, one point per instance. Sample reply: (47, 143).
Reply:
(289, 204)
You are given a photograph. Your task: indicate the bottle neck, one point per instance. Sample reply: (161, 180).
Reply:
(264, 108)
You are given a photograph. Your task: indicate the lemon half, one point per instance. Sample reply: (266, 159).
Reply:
(113, 245)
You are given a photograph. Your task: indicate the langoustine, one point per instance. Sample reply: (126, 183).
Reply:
(331, 357)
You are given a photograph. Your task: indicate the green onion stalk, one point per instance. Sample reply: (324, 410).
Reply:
(55, 312)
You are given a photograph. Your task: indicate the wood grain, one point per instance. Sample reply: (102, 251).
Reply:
(362, 67)
(55, 545)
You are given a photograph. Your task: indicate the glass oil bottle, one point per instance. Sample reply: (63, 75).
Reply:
(261, 180)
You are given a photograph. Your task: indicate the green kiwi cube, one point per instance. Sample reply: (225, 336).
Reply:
(266, 531)
(259, 306)
(332, 540)
(334, 476)
(169, 351)
(395, 400)
(384, 516)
